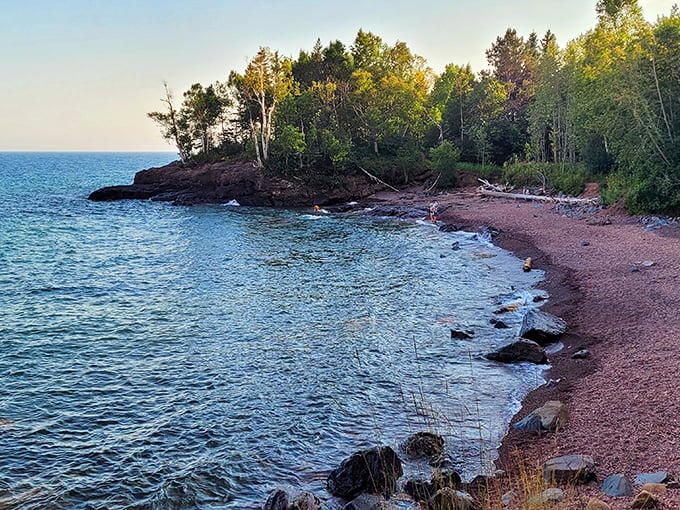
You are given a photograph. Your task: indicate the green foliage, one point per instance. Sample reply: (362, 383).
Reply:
(569, 179)
(608, 101)
(444, 158)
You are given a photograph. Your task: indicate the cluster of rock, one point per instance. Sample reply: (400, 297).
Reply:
(368, 479)
(538, 329)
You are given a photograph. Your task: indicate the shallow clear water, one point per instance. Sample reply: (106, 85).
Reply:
(163, 357)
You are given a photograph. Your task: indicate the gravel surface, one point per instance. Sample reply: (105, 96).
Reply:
(617, 284)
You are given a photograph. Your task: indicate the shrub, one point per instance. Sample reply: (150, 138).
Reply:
(569, 179)
(444, 159)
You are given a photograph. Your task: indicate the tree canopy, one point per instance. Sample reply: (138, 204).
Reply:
(608, 100)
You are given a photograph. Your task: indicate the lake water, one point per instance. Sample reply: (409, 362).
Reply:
(165, 357)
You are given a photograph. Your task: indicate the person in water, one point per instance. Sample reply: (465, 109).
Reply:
(433, 211)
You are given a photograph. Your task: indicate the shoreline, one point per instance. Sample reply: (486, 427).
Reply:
(617, 284)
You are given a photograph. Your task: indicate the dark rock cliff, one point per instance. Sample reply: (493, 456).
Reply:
(228, 180)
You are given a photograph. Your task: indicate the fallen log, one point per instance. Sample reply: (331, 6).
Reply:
(539, 198)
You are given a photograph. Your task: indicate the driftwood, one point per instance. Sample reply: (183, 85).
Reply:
(378, 180)
(540, 198)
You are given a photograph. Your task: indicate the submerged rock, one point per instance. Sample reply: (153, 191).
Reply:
(373, 471)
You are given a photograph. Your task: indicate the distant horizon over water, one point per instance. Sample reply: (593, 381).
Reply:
(199, 357)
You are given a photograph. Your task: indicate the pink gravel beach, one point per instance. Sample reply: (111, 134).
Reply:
(618, 287)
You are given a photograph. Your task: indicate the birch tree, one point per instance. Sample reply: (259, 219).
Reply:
(266, 82)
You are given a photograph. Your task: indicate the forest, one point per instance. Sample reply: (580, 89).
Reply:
(604, 107)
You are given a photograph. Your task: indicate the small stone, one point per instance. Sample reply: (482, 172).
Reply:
(658, 477)
(367, 502)
(617, 485)
(569, 469)
(655, 488)
(499, 324)
(455, 246)
(644, 500)
(582, 354)
(647, 263)
(634, 269)
(451, 499)
(597, 504)
(462, 334)
(551, 495)
(508, 498)
(585, 243)
(552, 415)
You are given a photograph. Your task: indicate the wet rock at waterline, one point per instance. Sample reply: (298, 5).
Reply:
(373, 471)
(521, 350)
(552, 415)
(367, 502)
(424, 445)
(283, 500)
(541, 327)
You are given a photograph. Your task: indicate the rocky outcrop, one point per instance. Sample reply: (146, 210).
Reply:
(224, 181)
(551, 416)
(569, 469)
(373, 471)
(521, 350)
(541, 327)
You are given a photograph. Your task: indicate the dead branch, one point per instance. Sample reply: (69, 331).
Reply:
(378, 180)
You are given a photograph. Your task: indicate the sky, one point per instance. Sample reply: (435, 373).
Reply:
(80, 75)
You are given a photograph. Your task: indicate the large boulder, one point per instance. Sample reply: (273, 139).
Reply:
(518, 351)
(569, 469)
(373, 471)
(551, 416)
(541, 327)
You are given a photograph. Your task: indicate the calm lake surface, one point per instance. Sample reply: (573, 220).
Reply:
(164, 357)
